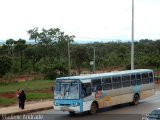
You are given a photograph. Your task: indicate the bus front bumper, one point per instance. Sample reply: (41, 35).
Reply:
(67, 108)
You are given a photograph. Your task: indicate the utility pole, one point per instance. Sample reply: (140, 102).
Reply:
(94, 61)
(132, 43)
(69, 64)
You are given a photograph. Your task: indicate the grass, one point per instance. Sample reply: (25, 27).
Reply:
(39, 96)
(27, 86)
(34, 96)
(35, 90)
(7, 102)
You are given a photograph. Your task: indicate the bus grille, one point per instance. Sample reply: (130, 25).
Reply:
(65, 104)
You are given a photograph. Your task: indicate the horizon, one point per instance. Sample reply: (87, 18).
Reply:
(84, 41)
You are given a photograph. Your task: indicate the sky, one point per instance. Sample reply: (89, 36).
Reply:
(100, 20)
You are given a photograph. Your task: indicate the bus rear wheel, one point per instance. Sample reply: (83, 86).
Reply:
(71, 113)
(93, 109)
(135, 99)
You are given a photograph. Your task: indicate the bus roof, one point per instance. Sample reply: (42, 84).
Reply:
(108, 74)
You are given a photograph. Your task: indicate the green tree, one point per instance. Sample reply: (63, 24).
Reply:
(4, 50)
(5, 64)
(20, 46)
(79, 56)
(45, 38)
(33, 53)
(154, 61)
(53, 42)
(10, 44)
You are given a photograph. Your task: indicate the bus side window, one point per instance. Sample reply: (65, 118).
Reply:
(86, 89)
(138, 79)
(96, 85)
(145, 79)
(133, 80)
(116, 82)
(151, 77)
(126, 81)
(107, 84)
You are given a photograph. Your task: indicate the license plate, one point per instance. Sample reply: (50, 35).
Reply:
(65, 108)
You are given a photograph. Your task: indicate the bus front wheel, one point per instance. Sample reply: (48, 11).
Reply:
(93, 109)
(71, 113)
(135, 99)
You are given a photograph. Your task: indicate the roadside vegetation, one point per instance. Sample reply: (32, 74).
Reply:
(48, 55)
(7, 102)
(33, 85)
(35, 90)
(35, 65)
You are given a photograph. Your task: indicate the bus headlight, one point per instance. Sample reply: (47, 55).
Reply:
(75, 104)
(56, 104)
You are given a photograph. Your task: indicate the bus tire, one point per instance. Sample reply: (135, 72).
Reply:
(93, 108)
(135, 99)
(71, 113)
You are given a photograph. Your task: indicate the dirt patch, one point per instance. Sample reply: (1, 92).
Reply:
(24, 78)
(8, 95)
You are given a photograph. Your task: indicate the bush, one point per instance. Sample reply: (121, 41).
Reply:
(53, 71)
(5, 64)
(28, 67)
(8, 76)
(39, 66)
(50, 72)
(15, 66)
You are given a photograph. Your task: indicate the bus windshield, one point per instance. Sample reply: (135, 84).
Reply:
(66, 91)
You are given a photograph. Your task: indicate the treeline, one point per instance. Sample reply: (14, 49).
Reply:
(49, 54)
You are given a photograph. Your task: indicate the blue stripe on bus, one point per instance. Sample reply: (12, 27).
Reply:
(81, 105)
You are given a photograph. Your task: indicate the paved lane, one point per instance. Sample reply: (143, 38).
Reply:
(119, 112)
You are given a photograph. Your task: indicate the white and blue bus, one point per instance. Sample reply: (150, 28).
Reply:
(95, 91)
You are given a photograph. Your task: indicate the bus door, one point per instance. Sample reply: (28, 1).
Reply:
(136, 83)
(86, 93)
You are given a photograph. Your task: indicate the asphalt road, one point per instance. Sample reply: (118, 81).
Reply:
(119, 112)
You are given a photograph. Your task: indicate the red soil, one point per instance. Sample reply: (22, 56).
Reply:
(8, 95)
